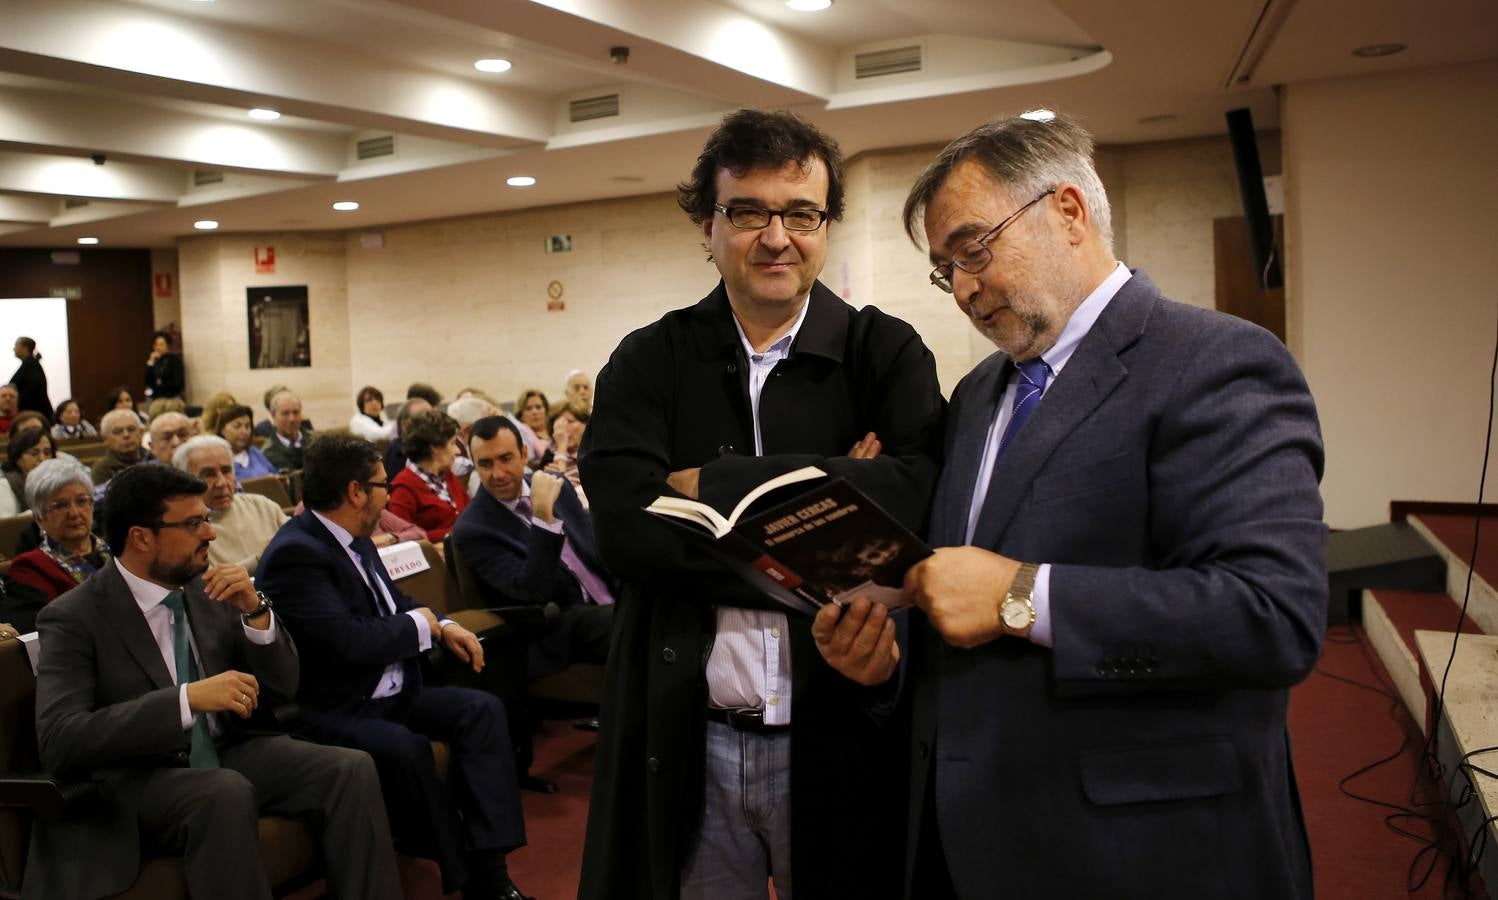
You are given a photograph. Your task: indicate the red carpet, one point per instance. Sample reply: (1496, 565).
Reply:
(1337, 728)
(1456, 531)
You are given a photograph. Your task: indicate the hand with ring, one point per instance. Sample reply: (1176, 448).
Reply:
(233, 692)
(8, 631)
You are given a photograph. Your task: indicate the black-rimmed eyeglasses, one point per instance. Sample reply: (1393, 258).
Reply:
(973, 256)
(749, 218)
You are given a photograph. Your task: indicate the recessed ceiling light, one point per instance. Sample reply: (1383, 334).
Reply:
(346, 206)
(1372, 51)
(1038, 115)
(808, 5)
(492, 65)
(88, 240)
(265, 115)
(205, 224)
(520, 181)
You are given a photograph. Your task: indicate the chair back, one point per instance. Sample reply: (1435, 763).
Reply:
(468, 594)
(434, 587)
(18, 753)
(268, 486)
(11, 529)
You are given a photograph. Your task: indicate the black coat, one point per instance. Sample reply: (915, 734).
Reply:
(164, 377)
(31, 384)
(674, 395)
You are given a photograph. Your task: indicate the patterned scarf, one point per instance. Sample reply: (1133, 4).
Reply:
(438, 485)
(78, 566)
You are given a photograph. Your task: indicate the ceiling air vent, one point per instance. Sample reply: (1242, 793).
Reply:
(893, 61)
(201, 177)
(374, 148)
(73, 203)
(593, 108)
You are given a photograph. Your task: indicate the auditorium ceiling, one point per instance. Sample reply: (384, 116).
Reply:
(128, 120)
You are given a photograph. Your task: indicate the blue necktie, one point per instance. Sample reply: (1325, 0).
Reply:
(367, 552)
(202, 754)
(1032, 379)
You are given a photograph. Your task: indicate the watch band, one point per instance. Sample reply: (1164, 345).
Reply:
(1021, 600)
(264, 607)
(1023, 586)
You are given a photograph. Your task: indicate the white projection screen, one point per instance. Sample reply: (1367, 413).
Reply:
(44, 320)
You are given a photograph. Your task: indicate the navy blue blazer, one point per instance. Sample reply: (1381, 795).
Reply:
(520, 565)
(346, 642)
(1169, 476)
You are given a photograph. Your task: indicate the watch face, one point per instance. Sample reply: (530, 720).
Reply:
(1016, 614)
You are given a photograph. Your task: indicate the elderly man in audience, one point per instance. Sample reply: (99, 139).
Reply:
(127, 694)
(10, 404)
(369, 420)
(235, 425)
(61, 496)
(529, 540)
(426, 492)
(395, 456)
(71, 425)
(465, 411)
(361, 638)
(244, 522)
(579, 390)
(121, 430)
(288, 440)
(168, 431)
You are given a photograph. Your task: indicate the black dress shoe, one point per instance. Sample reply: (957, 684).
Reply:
(511, 892)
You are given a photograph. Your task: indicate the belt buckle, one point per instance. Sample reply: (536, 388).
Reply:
(746, 719)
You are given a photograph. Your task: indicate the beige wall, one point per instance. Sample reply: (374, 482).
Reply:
(215, 272)
(1392, 270)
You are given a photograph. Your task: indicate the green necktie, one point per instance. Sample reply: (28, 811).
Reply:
(202, 755)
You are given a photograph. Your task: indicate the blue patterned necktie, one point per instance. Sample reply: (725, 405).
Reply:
(1032, 380)
(202, 755)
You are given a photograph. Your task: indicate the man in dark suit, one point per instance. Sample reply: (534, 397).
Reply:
(362, 639)
(730, 751)
(146, 673)
(529, 541)
(288, 441)
(1129, 576)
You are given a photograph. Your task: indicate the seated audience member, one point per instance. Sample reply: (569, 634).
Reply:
(10, 404)
(121, 431)
(579, 391)
(30, 378)
(234, 426)
(213, 412)
(529, 541)
(531, 408)
(289, 440)
(244, 522)
(369, 421)
(465, 411)
(164, 372)
(62, 501)
(395, 457)
(267, 427)
(120, 398)
(426, 492)
(19, 604)
(422, 391)
(24, 453)
(162, 406)
(30, 420)
(71, 426)
(124, 689)
(360, 638)
(168, 431)
(568, 422)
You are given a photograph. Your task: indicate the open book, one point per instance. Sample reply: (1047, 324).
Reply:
(825, 545)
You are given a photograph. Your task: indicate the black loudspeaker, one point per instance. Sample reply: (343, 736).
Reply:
(1392, 556)
(1255, 205)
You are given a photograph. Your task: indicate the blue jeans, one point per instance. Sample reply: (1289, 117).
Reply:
(746, 820)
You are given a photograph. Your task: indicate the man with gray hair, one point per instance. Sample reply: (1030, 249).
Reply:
(284, 449)
(245, 523)
(1128, 576)
(120, 429)
(168, 431)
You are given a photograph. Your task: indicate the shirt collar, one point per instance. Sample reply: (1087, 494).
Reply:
(1082, 319)
(340, 534)
(782, 345)
(285, 443)
(148, 595)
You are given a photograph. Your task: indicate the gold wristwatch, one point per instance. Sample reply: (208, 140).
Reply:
(1017, 611)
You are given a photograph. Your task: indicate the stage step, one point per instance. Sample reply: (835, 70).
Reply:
(1391, 619)
(1394, 555)
(1451, 536)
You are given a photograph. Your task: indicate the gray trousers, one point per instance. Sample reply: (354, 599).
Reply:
(209, 816)
(746, 819)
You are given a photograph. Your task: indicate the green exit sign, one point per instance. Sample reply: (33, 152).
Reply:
(66, 293)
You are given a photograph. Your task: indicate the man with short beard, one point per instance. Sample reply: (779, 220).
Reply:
(245, 522)
(148, 673)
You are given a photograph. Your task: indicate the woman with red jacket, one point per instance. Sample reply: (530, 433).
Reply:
(426, 492)
(61, 495)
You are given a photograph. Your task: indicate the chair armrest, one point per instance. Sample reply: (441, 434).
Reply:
(526, 616)
(44, 795)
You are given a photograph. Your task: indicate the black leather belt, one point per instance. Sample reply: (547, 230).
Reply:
(744, 720)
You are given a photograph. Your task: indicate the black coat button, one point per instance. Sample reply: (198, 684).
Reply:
(925, 750)
(668, 655)
(725, 449)
(731, 368)
(653, 764)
